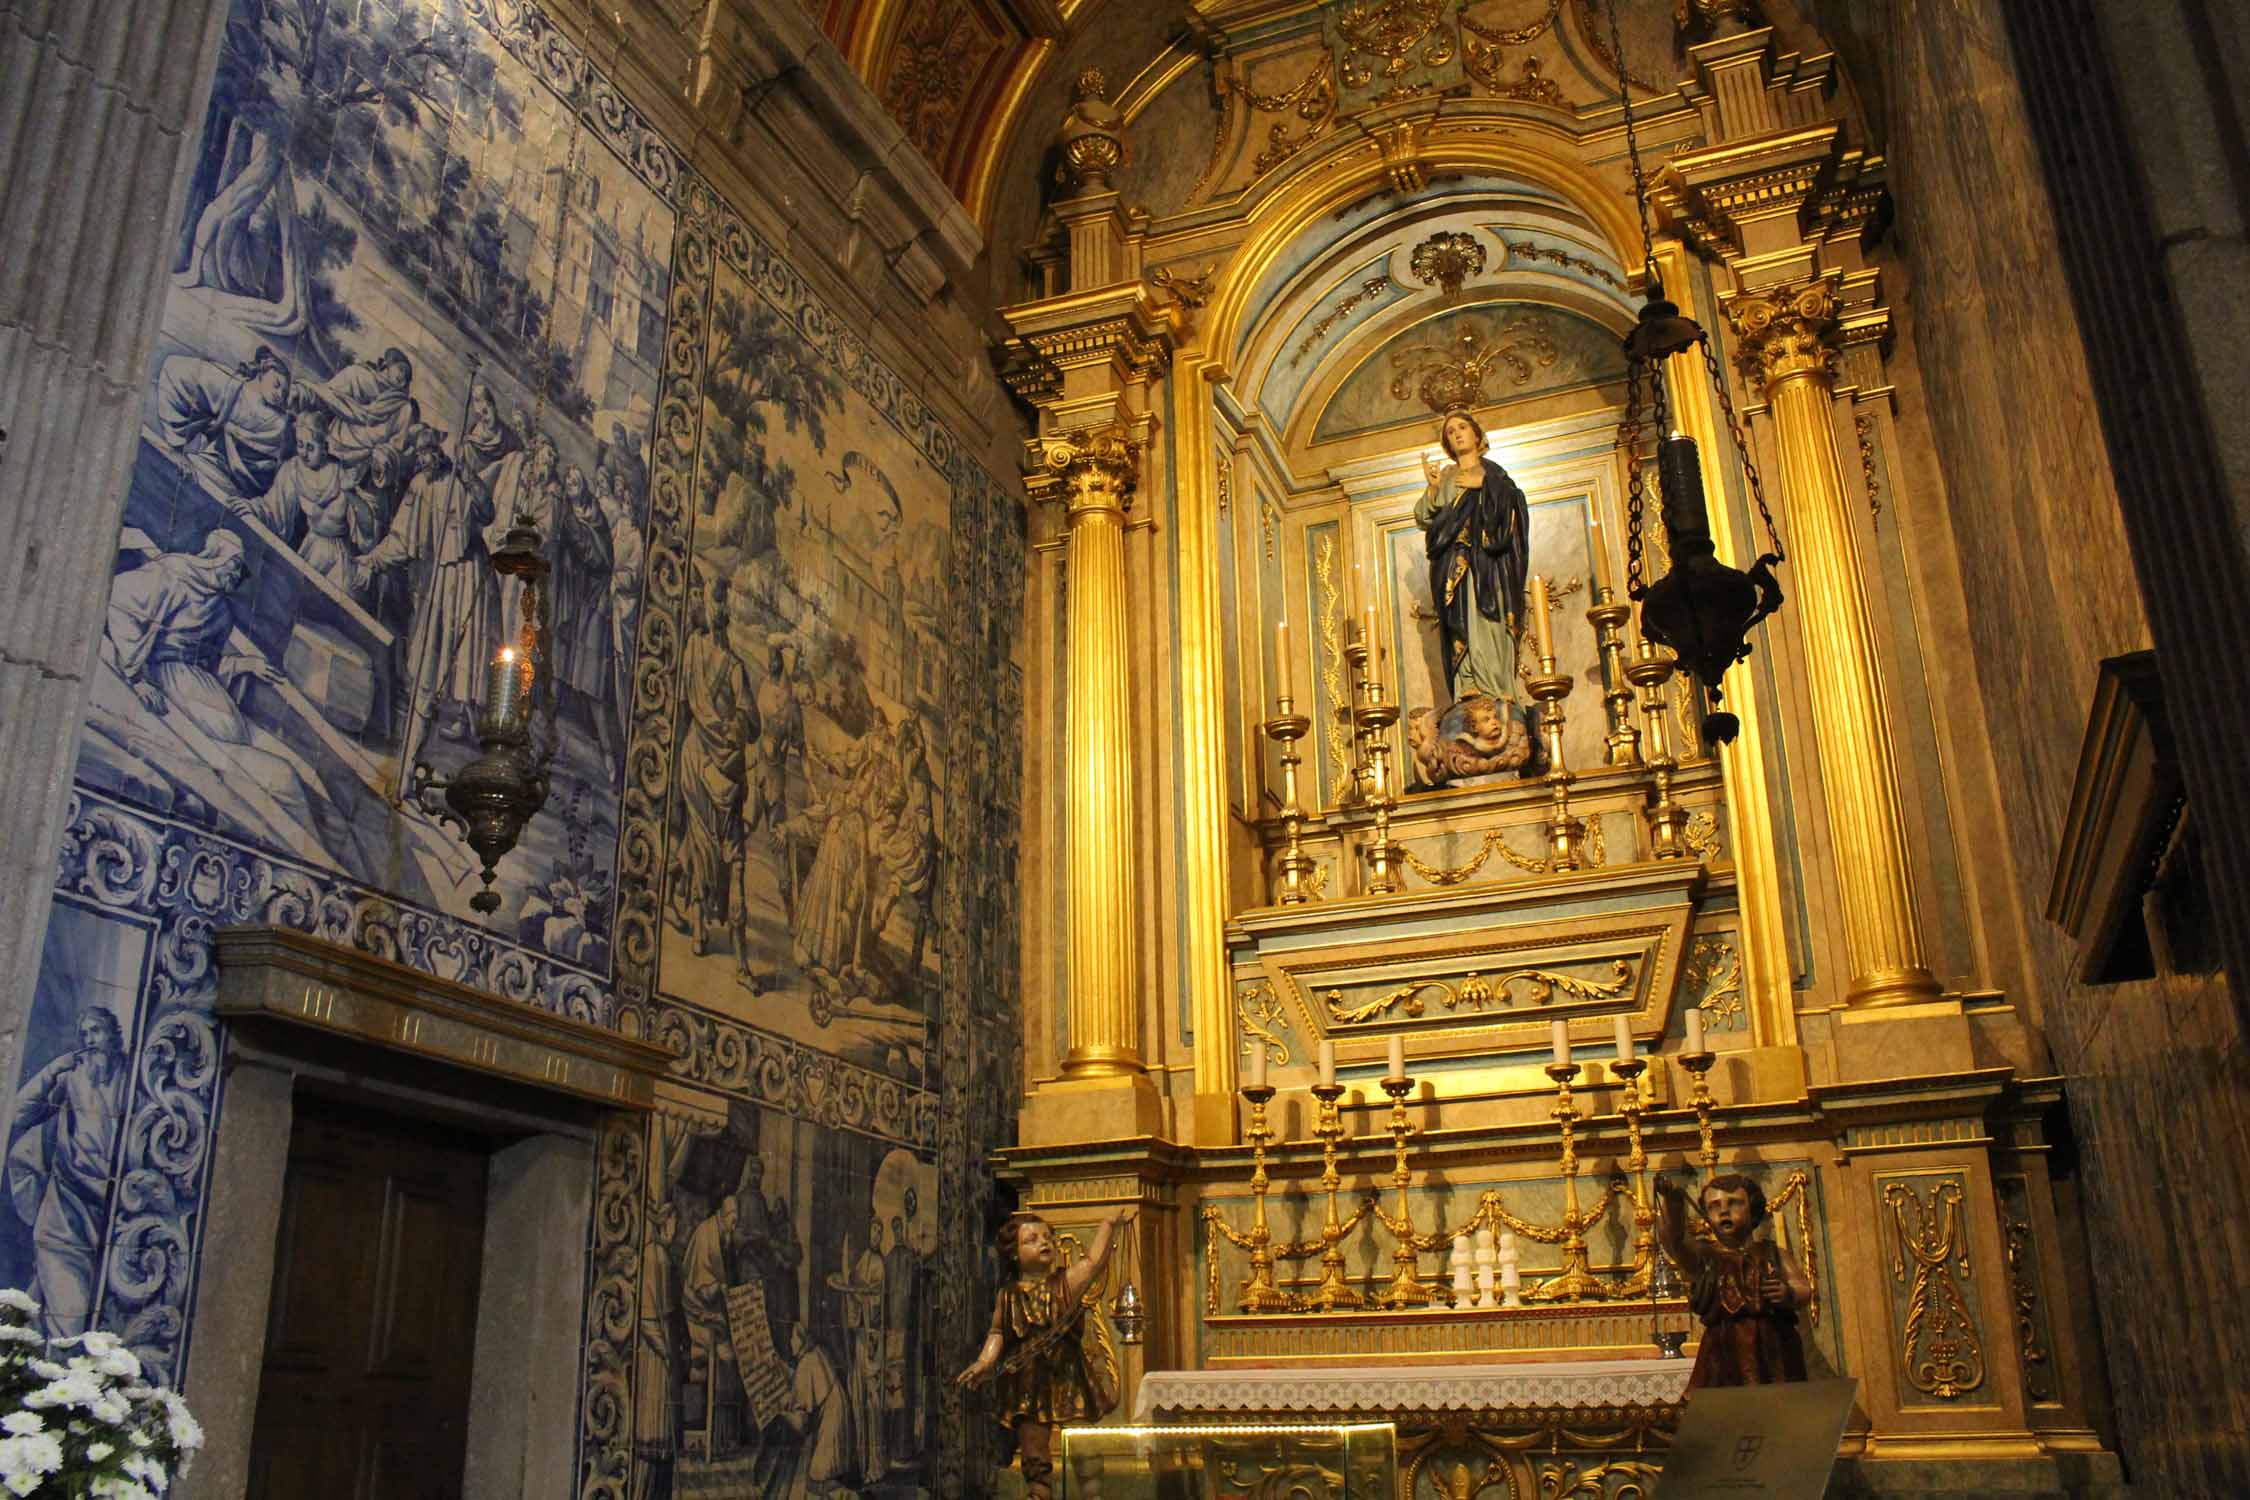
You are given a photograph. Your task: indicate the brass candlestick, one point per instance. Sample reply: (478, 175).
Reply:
(1334, 1291)
(1576, 1281)
(1295, 867)
(1649, 670)
(1259, 1294)
(1406, 1288)
(1698, 1065)
(1636, 1282)
(1385, 857)
(1608, 617)
(1566, 835)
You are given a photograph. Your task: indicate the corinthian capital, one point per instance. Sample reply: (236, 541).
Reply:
(1089, 469)
(1784, 331)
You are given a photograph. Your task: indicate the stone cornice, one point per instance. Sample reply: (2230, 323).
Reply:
(288, 978)
(1748, 197)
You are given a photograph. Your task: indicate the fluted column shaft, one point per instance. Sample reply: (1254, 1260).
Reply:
(1103, 1007)
(99, 99)
(1787, 350)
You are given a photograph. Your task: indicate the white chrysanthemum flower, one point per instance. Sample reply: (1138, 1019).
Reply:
(18, 1301)
(111, 1407)
(180, 1423)
(119, 1364)
(16, 1333)
(99, 1341)
(47, 1369)
(22, 1423)
(99, 1451)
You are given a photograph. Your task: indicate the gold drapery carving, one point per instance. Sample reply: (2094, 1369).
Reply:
(1940, 1354)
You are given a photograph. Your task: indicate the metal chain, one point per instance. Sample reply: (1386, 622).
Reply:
(1632, 148)
(1741, 446)
(1629, 439)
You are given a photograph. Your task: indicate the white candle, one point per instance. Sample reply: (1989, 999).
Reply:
(1600, 549)
(1542, 633)
(1624, 1038)
(1367, 634)
(1695, 1029)
(1397, 1058)
(1258, 1065)
(1283, 687)
(1561, 1031)
(1327, 1063)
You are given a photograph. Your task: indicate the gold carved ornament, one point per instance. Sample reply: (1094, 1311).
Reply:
(1475, 992)
(1492, 1214)
(2023, 1289)
(1784, 331)
(1332, 665)
(1943, 1356)
(1373, 286)
(1260, 1011)
(1391, 30)
(1447, 260)
(1189, 291)
(1525, 250)
(1485, 51)
(1597, 854)
(1596, 38)
(1864, 428)
(1714, 975)
(1312, 99)
(1278, 1249)
(1521, 1465)
(1452, 374)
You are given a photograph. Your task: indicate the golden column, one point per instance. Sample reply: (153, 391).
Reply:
(1097, 471)
(1787, 337)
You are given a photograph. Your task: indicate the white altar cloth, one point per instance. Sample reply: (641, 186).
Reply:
(1370, 1390)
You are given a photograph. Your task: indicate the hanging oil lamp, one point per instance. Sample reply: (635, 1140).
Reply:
(1703, 609)
(489, 800)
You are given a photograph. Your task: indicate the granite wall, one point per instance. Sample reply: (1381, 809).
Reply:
(2158, 1109)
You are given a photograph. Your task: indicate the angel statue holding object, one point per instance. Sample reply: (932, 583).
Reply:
(1048, 1357)
(1477, 528)
(1746, 1290)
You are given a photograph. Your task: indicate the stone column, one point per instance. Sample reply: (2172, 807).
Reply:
(98, 101)
(1097, 472)
(1788, 335)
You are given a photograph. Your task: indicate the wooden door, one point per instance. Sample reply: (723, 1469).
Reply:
(364, 1393)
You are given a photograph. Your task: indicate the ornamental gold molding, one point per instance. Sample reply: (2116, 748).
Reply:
(1785, 331)
(1390, 31)
(1940, 1352)
(1092, 469)
(1448, 259)
(1474, 992)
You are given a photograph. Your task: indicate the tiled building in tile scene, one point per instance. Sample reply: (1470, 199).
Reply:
(663, 663)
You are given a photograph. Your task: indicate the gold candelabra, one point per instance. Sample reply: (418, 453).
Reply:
(1385, 856)
(1698, 1065)
(1566, 835)
(1649, 670)
(1406, 1288)
(1259, 1294)
(1632, 1106)
(1608, 616)
(1335, 1290)
(1576, 1281)
(1295, 866)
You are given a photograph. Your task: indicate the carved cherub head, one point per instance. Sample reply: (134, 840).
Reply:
(1736, 1206)
(1027, 1245)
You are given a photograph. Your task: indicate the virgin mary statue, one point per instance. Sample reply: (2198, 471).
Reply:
(1478, 528)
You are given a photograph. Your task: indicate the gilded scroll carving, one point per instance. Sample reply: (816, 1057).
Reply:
(1941, 1354)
